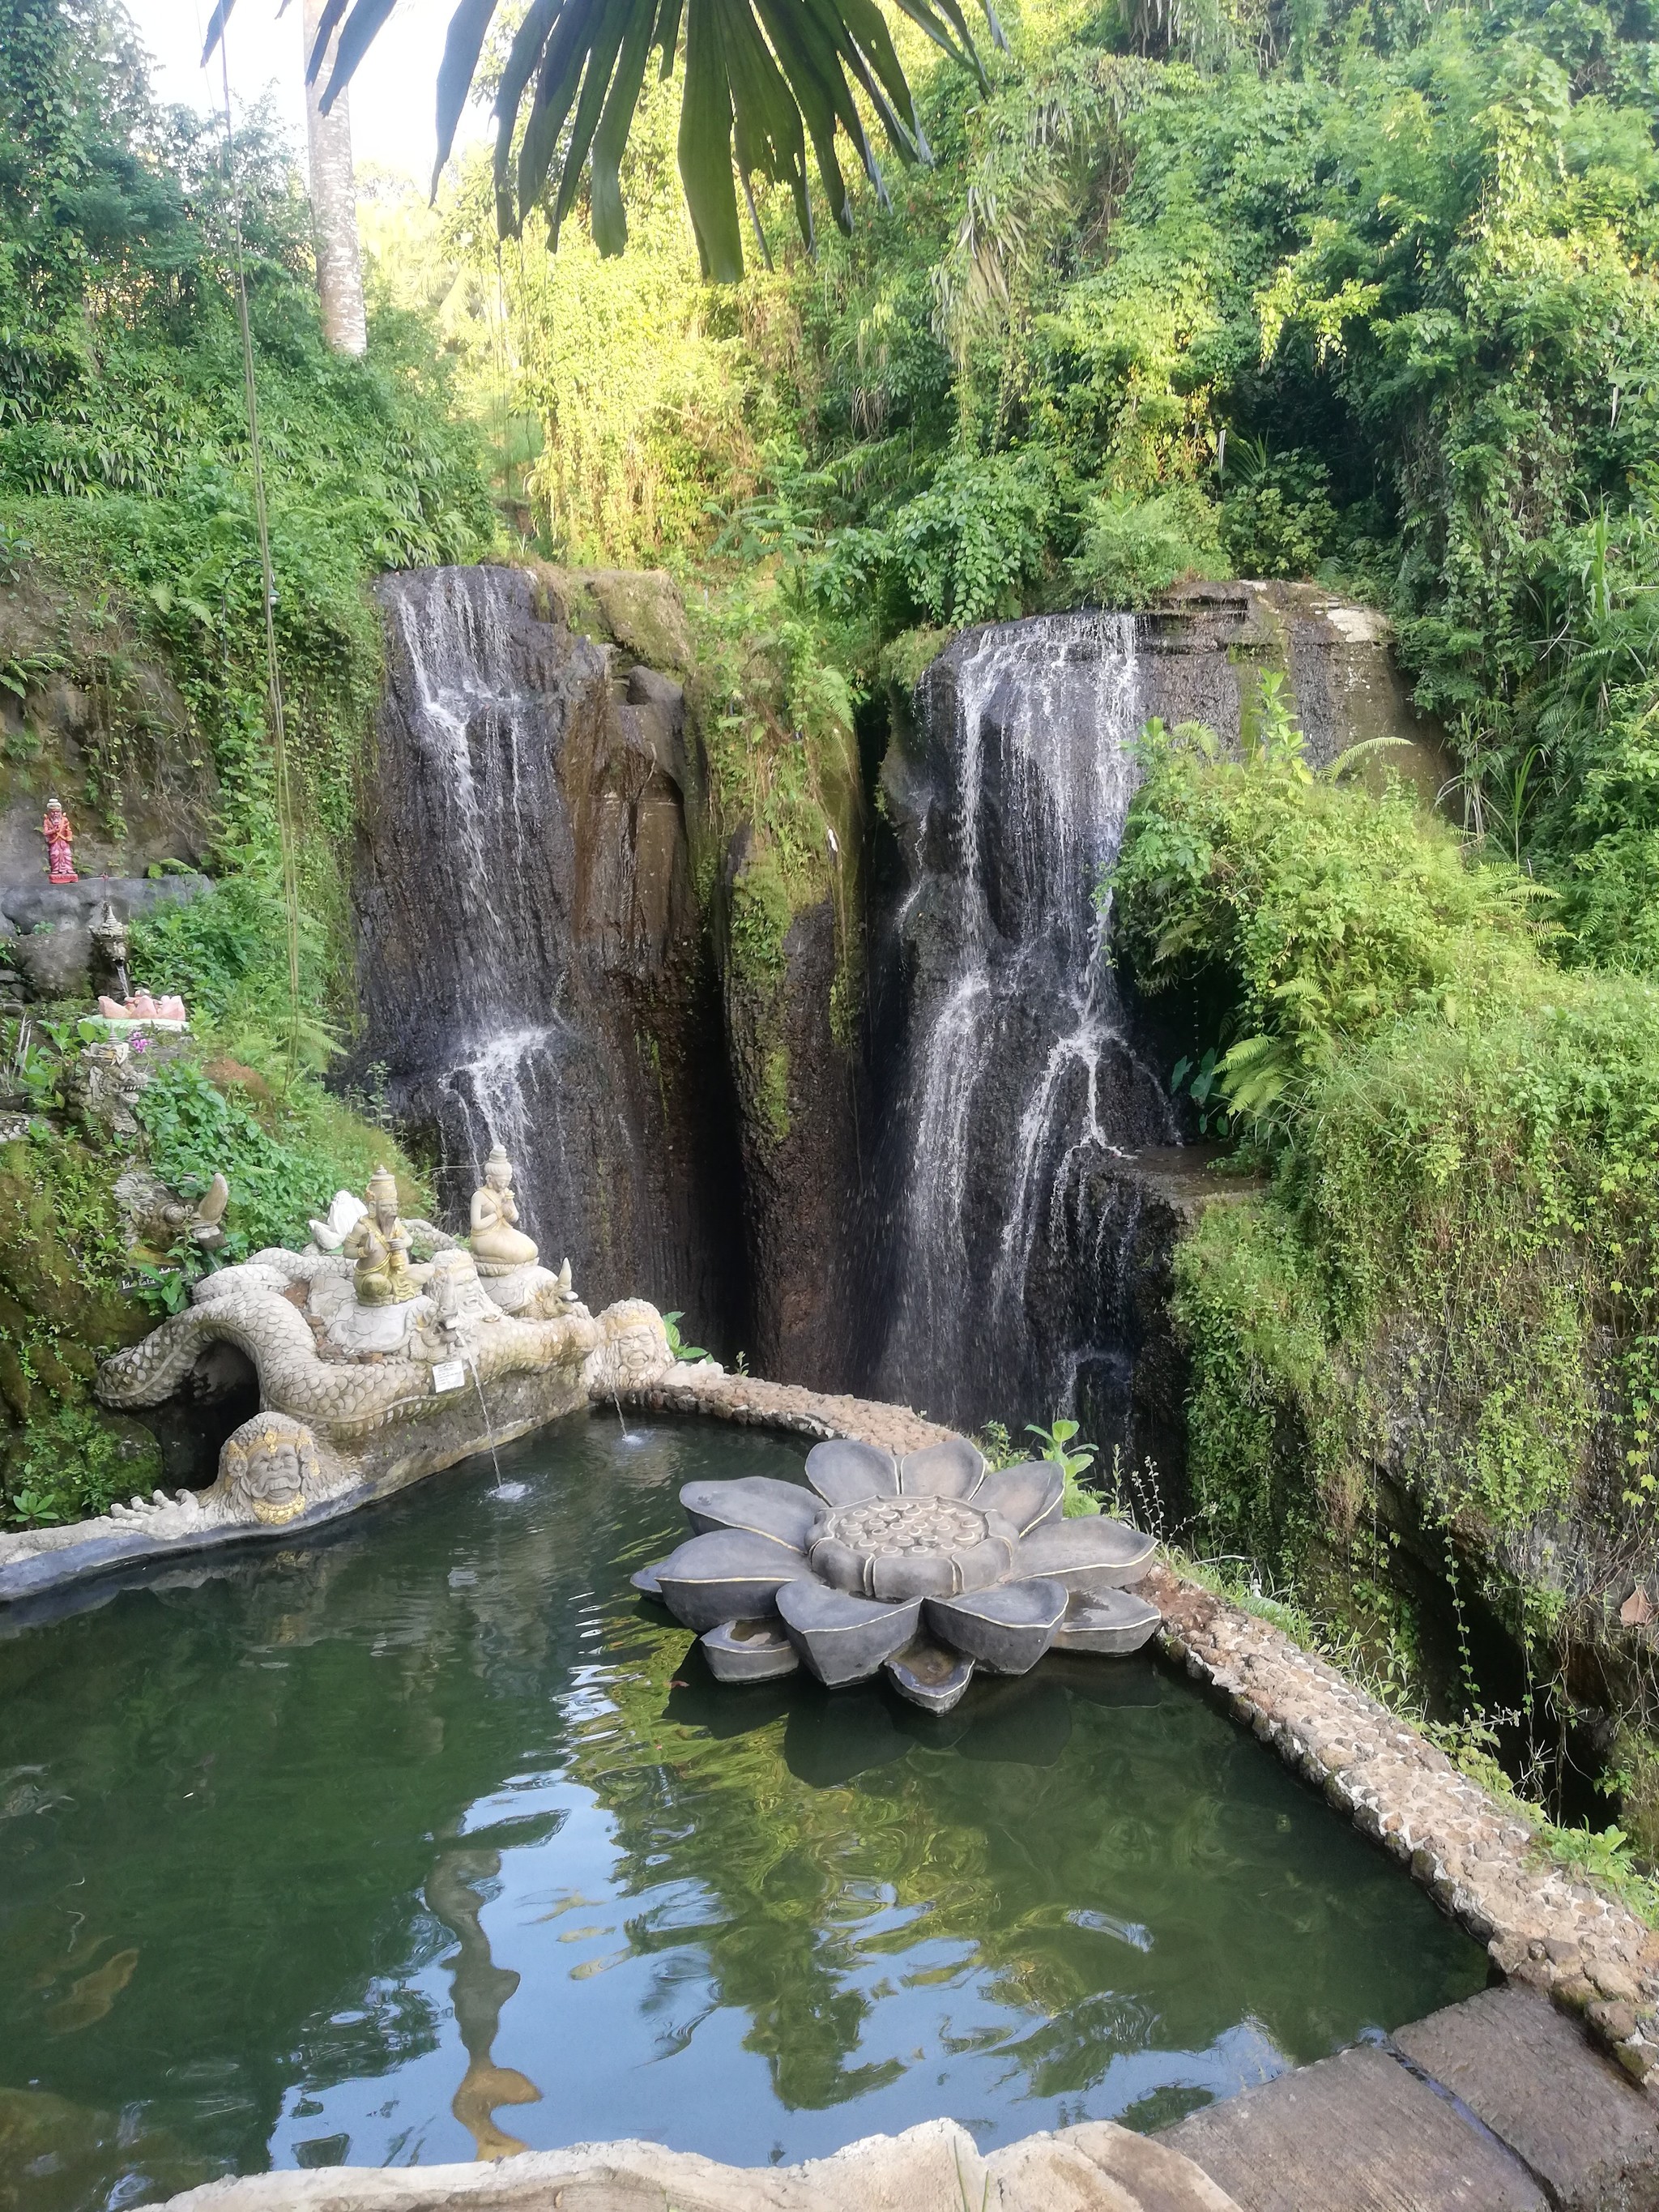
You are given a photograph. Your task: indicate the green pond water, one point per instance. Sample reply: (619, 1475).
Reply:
(430, 1838)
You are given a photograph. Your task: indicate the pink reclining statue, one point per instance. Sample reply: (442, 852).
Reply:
(140, 1007)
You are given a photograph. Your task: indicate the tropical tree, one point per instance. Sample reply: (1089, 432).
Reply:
(760, 78)
(333, 202)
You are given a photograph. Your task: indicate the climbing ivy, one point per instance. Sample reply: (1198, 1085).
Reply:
(1449, 1278)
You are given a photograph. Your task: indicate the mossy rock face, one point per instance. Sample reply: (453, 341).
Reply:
(92, 715)
(639, 610)
(59, 1237)
(74, 1460)
(905, 659)
(760, 911)
(62, 1308)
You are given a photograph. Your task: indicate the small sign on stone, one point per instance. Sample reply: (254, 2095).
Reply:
(448, 1375)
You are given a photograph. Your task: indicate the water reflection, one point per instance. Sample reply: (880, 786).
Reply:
(479, 1989)
(428, 1841)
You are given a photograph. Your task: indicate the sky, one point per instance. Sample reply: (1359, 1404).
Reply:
(392, 93)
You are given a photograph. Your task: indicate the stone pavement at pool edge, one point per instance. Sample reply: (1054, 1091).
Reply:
(1096, 2167)
(1497, 2105)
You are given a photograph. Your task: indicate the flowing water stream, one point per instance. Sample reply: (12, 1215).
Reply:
(1024, 1078)
(430, 1840)
(530, 959)
(501, 1064)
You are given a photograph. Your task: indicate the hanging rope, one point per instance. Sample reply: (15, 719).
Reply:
(273, 676)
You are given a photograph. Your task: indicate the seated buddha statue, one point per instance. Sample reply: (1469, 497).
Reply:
(378, 1244)
(498, 1245)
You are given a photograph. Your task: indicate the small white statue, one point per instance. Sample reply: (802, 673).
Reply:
(345, 1211)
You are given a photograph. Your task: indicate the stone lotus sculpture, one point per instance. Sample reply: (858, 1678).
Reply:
(929, 1567)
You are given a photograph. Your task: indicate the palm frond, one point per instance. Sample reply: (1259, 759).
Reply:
(763, 78)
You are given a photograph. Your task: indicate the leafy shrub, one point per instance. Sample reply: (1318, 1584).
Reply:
(1454, 1272)
(225, 953)
(967, 548)
(73, 1462)
(1132, 549)
(280, 1175)
(1280, 521)
(1318, 914)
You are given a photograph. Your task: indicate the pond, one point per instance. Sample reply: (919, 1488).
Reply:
(432, 1839)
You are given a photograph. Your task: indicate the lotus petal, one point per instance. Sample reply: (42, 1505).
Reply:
(952, 1469)
(647, 1585)
(845, 1474)
(749, 1651)
(1095, 1553)
(1109, 1622)
(755, 1501)
(842, 1638)
(731, 1574)
(1007, 1629)
(929, 1676)
(1029, 1495)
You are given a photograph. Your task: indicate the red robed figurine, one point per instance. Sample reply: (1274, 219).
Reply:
(59, 834)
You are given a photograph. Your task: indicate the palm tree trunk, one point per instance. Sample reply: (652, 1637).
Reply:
(333, 205)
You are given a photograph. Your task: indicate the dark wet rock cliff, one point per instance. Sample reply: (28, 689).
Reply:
(868, 1120)
(533, 964)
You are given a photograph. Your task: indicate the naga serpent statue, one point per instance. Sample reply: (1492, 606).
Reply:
(374, 1369)
(346, 1398)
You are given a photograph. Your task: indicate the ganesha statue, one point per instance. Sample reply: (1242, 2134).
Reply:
(379, 1245)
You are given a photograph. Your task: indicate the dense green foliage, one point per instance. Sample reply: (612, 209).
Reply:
(123, 443)
(1449, 1285)
(126, 503)
(1365, 294)
(1322, 915)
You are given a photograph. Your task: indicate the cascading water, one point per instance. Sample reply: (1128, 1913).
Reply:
(522, 902)
(1023, 1083)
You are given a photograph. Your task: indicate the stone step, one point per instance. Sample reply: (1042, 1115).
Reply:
(935, 2167)
(1356, 2133)
(1528, 2072)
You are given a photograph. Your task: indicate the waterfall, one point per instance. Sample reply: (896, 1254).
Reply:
(1023, 1081)
(521, 895)
(476, 728)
